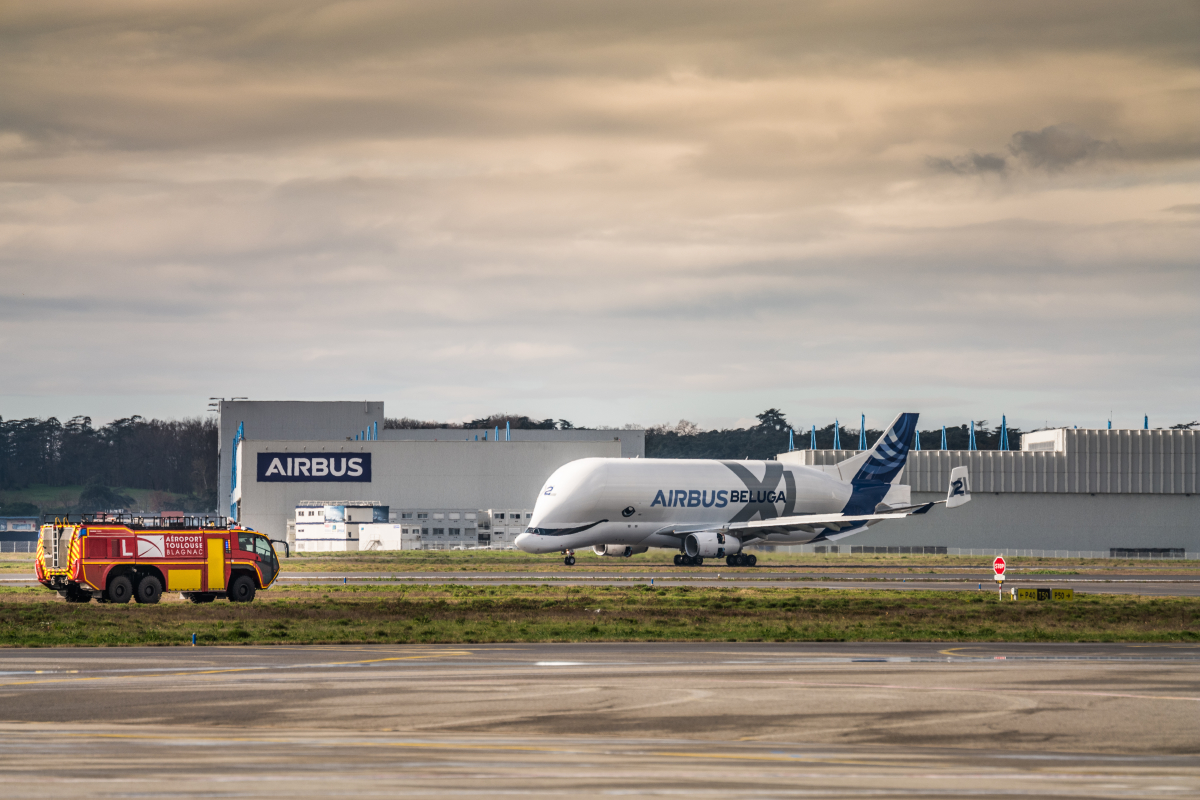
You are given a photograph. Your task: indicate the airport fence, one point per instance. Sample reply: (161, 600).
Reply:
(19, 547)
(1149, 554)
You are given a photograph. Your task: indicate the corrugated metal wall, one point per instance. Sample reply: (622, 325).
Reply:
(1094, 461)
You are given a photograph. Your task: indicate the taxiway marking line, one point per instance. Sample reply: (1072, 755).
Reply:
(605, 749)
(439, 654)
(988, 690)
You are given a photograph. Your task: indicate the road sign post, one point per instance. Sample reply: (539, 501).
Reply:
(999, 566)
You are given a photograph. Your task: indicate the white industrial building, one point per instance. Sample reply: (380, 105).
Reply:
(1103, 493)
(348, 525)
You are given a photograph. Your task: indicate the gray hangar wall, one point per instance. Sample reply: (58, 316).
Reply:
(412, 474)
(1096, 490)
(633, 442)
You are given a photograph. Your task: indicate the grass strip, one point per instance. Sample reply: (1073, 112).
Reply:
(660, 562)
(551, 613)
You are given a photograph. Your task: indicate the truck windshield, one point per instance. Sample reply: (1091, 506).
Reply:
(268, 563)
(263, 547)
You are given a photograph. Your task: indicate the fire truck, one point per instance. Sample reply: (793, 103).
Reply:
(114, 558)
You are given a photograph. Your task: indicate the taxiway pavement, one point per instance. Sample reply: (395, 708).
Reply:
(701, 719)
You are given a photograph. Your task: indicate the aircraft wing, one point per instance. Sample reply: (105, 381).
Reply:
(816, 523)
(808, 523)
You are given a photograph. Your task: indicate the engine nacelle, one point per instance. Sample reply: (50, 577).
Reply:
(711, 544)
(617, 550)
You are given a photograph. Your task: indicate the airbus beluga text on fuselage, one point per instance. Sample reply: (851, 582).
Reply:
(713, 509)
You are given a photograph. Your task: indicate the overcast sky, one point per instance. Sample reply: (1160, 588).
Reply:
(609, 212)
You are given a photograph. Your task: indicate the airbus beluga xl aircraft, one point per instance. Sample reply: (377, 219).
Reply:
(713, 509)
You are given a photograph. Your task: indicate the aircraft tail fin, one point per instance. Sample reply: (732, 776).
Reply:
(959, 492)
(883, 463)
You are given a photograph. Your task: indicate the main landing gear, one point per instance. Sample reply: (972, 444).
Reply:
(684, 560)
(741, 560)
(570, 558)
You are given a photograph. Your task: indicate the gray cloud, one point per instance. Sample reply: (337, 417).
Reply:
(1057, 146)
(1052, 149)
(970, 164)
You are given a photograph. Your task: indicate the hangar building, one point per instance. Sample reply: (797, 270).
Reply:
(440, 487)
(1099, 493)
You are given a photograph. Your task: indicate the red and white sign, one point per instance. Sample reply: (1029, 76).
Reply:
(170, 545)
(998, 565)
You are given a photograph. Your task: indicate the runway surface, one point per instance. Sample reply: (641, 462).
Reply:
(719, 720)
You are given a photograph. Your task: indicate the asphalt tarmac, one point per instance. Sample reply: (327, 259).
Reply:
(720, 720)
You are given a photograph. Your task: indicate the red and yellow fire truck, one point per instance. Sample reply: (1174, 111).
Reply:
(117, 557)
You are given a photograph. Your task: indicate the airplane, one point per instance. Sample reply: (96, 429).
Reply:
(706, 508)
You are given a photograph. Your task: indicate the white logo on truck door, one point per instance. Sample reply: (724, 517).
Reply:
(150, 546)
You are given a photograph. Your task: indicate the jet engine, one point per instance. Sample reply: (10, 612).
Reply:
(711, 544)
(617, 550)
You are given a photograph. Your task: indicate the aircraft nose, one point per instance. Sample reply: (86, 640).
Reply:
(523, 541)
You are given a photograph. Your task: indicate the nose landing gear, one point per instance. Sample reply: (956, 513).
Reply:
(570, 558)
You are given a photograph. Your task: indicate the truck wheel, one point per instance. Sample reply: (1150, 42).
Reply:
(241, 590)
(201, 597)
(120, 589)
(149, 589)
(74, 594)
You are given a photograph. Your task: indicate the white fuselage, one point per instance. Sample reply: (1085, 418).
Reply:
(649, 502)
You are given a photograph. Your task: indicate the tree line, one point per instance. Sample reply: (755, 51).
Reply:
(514, 421)
(178, 456)
(770, 436)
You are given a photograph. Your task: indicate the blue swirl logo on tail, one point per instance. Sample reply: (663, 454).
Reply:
(890, 453)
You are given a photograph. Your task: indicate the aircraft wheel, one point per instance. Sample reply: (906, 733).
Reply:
(698, 561)
(751, 560)
(732, 561)
(678, 560)
(569, 561)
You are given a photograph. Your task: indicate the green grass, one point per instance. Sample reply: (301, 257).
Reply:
(555, 613)
(660, 560)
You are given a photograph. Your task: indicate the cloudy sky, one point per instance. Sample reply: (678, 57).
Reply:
(608, 212)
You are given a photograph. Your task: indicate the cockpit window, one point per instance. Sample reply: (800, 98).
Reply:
(563, 531)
